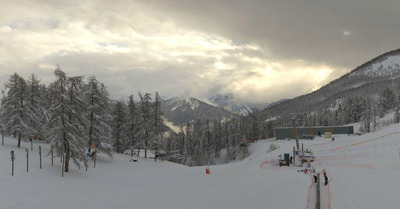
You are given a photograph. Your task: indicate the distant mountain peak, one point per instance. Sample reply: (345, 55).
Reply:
(180, 111)
(187, 101)
(231, 103)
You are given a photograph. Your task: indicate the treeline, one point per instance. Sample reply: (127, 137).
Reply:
(202, 143)
(73, 115)
(367, 110)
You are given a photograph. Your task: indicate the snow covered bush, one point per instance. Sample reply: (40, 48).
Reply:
(272, 147)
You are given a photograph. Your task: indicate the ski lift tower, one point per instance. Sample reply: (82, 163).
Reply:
(293, 118)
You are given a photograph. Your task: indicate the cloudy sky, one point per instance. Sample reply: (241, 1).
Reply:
(259, 50)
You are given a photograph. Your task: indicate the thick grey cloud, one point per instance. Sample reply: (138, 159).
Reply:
(260, 50)
(322, 31)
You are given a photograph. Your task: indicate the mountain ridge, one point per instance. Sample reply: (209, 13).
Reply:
(366, 80)
(181, 111)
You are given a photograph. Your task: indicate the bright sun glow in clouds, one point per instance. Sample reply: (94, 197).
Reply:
(133, 49)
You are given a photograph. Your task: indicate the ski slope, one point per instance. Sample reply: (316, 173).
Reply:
(363, 172)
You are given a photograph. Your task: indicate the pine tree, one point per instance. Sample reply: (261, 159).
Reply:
(233, 143)
(16, 113)
(177, 144)
(397, 114)
(366, 115)
(158, 122)
(119, 120)
(98, 115)
(216, 138)
(67, 125)
(36, 100)
(207, 137)
(197, 143)
(132, 124)
(388, 98)
(375, 116)
(270, 129)
(145, 121)
(188, 148)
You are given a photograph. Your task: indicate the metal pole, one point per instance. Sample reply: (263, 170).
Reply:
(52, 151)
(12, 162)
(318, 201)
(62, 167)
(27, 160)
(292, 117)
(95, 156)
(40, 156)
(294, 155)
(294, 126)
(31, 139)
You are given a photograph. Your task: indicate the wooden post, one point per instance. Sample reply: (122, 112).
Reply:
(31, 139)
(12, 162)
(95, 156)
(27, 159)
(40, 156)
(52, 152)
(302, 148)
(294, 155)
(2, 137)
(62, 167)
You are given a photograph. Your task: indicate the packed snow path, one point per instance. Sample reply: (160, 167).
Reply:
(318, 193)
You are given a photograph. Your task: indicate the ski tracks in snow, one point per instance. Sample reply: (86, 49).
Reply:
(324, 195)
(347, 199)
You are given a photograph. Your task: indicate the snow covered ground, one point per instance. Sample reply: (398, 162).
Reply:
(363, 172)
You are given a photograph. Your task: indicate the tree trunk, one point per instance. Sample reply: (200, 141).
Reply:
(19, 140)
(67, 157)
(145, 144)
(145, 149)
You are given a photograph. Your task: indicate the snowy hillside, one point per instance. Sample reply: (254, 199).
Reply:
(363, 172)
(180, 111)
(190, 102)
(384, 65)
(369, 80)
